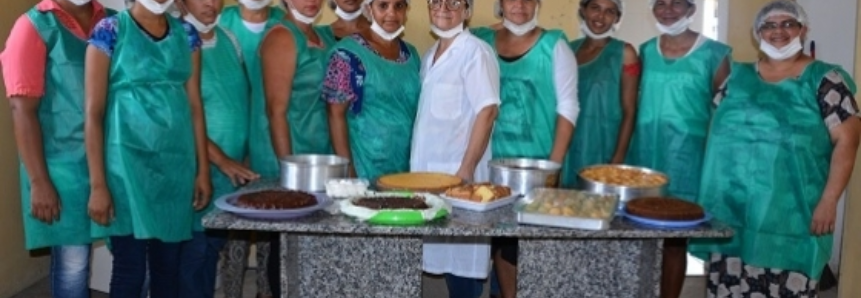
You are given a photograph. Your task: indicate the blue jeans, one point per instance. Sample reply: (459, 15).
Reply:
(134, 257)
(199, 264)
(494, 283)
(70, 271)
(463, 287)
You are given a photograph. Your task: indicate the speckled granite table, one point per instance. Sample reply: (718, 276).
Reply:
(329, 255)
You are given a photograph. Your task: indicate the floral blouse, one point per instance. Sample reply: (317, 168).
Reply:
(345, 75)
(104, 35)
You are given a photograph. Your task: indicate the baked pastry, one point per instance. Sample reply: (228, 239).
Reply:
(572, 203)
(623, 176)
(664, 208)
(481, 192)
(276, 200)
(419, 182)
(381, 203)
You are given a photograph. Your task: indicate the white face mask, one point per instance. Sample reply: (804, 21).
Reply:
(301, 18)
(524, 28)
(783, 53)
(585, 29)
(676, 28)
(348, 16)
(200, 26)
(388, 36)
(79, 2)
(155, 7)
(446, 34)
(255, 4)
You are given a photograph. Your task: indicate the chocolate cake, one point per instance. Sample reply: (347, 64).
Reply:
(380, 203)
(276, 200)
(664, 208)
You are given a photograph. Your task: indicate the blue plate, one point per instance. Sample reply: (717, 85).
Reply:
(226, 203)
(666, 224)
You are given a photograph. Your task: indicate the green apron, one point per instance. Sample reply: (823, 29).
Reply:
(150, 157)
(526, 126)
(381, 132)
(599, 91)
(225, 94)
(766, 166)
(61, 116)
(674, 112)
(307, 115)
(326, 33)
(260, 152)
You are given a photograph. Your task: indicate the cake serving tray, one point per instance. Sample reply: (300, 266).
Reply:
(226, 203)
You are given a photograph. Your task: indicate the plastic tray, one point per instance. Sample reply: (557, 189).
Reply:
(573, 222)
(398, 217)
(481, 207)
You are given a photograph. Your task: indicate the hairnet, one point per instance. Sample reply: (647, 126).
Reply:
(619, 6)
(780, 7)
(652, 2)
(497, 8)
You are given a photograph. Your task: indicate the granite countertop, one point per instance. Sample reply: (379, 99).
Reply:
(499, 222)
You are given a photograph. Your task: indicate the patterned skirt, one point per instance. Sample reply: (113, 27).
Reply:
(731, 277)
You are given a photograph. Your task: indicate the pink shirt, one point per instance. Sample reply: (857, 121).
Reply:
(24, 58)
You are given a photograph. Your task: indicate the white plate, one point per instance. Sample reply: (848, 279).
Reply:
(481, 207)
(226, 203)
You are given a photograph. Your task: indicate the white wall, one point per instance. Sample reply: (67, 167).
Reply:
(638, 23)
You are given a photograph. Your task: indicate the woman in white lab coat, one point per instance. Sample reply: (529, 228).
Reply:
(458, 105)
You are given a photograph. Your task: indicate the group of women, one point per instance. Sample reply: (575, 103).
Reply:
(136, 119)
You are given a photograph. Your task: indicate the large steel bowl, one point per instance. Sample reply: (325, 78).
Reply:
(626, 193)
(523, 174)
(310, 172)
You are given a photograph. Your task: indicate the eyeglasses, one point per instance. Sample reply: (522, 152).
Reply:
(785, 25)
(450, 4)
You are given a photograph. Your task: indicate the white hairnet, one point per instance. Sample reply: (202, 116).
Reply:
(652, 2)
(780, 7)
(497, 8)
(619, 6)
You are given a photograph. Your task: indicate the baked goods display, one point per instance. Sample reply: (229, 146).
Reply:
(664, 208)
(341, 188)
(571, 203)
(380, 203)
(276, 200)
(419, 182)
(480, 192)
(623, 176)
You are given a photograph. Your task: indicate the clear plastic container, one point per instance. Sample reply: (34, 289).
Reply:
(567, 209)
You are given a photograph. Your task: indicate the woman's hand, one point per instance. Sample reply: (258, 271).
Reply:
(101, 206)
(238, 173)
(44, 202)
(824, 217)
(202, 191)
(465, 173)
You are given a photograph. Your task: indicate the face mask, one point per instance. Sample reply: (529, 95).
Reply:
(301, 17)
(783, 53)
(585, 29)
(200, 26)
(382, 32)
(676, 28)
(446, 34)
(155, 7)
(347, 16)
(79, 2)
(254, 4)
(521, 29)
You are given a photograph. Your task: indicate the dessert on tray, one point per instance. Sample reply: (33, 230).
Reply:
(571, 204)
(479, 193)
(418, 182)
(664, 208)
(396, 209)
(276, 200)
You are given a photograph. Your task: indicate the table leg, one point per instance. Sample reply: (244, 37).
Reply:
(350, 266)
(589, 268)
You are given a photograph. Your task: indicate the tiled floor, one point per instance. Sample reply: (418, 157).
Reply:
(433, 288)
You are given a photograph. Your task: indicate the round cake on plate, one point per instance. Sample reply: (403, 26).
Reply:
(664, 208)
(276, 200)
(418, 182)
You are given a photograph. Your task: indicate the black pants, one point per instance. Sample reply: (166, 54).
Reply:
(273, 268)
